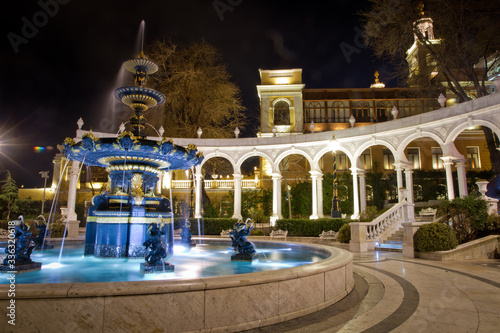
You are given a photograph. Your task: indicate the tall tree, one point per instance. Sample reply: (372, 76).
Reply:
(198, 89)
(467, 34)
(9, 194)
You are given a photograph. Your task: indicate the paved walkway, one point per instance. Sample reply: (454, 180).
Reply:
(396, 294)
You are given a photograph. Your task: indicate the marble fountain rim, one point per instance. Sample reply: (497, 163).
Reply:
(337, 259)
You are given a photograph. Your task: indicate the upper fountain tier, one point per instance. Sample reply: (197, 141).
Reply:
(139, 98)
(133, 150)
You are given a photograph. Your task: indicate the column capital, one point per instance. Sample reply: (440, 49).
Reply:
(315, 173)
(448, 160)
(403, 165)
(355, 170)
(237, 176)
(460, 162)
(276, 176)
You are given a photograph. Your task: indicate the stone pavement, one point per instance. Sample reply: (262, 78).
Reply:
(396, 294)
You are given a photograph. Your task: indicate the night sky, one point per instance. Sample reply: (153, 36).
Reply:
(67, 66)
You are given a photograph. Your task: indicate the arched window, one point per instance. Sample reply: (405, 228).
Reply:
(361, 110)
(281, 113)
(383, 109)
(314, 112)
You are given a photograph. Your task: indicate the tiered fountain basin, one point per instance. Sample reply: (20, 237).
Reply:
(227, 303)
(118, 219)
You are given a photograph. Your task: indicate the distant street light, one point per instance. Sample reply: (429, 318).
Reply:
(45, 175)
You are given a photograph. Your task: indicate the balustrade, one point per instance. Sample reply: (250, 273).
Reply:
(223, 183)
(365, 234)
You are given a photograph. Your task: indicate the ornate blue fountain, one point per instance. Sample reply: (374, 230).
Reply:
(118, 219)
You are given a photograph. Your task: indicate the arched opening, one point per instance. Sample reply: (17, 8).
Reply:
(281, 113)
(218, 187)
(257, 191)
(296, 188)
(344, 182)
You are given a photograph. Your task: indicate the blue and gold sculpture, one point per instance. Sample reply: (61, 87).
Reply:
(156, 251)
(20, 245)
(246, 250)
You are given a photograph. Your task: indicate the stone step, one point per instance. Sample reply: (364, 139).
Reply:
(392, 242)
(389, 247)
(396, 239)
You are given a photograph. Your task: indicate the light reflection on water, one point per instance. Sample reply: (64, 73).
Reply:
(200, 261)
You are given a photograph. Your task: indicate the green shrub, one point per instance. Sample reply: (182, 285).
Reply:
(258, 232)
(490, 227)
(56, 230)
(369, 214)
(467, 216)
(344, 235)
(434, 237)
(309, 228)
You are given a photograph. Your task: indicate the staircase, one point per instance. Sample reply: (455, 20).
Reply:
(394, 243)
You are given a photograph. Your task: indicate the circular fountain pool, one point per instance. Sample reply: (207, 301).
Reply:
(210, 258)
(227, 303)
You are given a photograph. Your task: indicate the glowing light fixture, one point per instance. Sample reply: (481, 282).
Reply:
(282, 80)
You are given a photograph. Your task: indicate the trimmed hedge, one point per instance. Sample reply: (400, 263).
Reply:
(434, 237)
(344, 235)
(56, 229)
(310, 228)
(210, 226)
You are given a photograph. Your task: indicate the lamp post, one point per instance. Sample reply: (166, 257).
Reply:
(45, 175)
(336, 212)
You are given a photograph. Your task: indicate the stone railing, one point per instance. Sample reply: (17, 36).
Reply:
(181, 184)
(220, 183)
(364, 235)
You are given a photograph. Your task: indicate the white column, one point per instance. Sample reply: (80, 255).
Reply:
(409, 184)
(320, 196)
(314, 178)
(198, 193)
(462, 177)
(237, 195)
(276, 198)
(73, 183)
(449, 177)
(409, 194)
(72, 219)
(399, 177)
(362, 190)
(355, 191)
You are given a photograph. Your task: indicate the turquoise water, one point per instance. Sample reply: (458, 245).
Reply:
(204, 260)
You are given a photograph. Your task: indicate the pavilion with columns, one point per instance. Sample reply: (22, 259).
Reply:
(443, 126)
